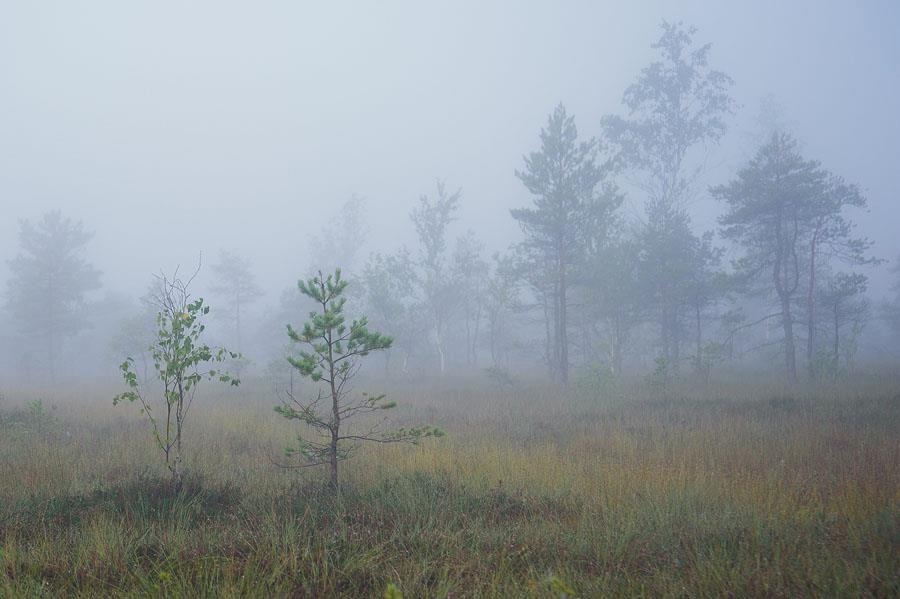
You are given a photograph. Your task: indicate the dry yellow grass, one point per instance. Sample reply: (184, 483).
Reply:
(733, 490)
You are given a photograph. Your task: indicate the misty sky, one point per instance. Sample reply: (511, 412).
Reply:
(175, 127)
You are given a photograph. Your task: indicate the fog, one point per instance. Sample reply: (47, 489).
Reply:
(175, 129)
(449, 298)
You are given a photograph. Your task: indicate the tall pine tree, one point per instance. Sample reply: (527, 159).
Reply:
(571, 202)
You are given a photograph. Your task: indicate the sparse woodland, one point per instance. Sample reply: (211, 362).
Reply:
(620, 403)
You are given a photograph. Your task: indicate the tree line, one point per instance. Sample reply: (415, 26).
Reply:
(587, 287)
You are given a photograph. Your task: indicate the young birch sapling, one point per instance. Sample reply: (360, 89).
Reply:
(181, 361)
(331, 360)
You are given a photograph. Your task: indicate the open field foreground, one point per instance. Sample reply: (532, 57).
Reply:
(531, 494)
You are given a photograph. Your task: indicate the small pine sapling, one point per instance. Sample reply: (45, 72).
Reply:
(331, 360)
(181, 361)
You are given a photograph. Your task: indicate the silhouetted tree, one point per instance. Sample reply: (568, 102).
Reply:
(137, 331)
(707, 286)
(236, 284)
(668, 261)
(571, 204)
(830, 238)
(469, 272)
(439, 295)
(49, 279)
(772, 213)
(390, 287)
(341, 239)
(614, 288)
(844, 304)
(678, 103)
(890, 309)
(501, 302)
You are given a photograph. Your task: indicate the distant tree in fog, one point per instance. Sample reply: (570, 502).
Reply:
(135, 333)
(767, 208)
(469, 272)
(501, 303)
(845, 312)
(677, 104)
(831, 239)
(341, 239)
(390, 297)
(236, 284)
(571, 205)
(770, 118)
(672, 262)
(439, 294)
(785, 212)
(707, 286)
(890, 309)
(50, 278)
(612, 284)
(133, 338)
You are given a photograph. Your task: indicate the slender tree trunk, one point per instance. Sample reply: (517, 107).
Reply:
(51, 355)
(333, 464)
(785, 290)
(586, 349)
(177, 474)
(548, 349)
(335, 414)
(697, 316)
(811, 305)
(468, 340)
(790, 351)
(51, 330)
(557, 342)
(665, 330)
(440, 349)
(563, 327)
(676, 339)
(837, 337)
(617, 345)
(475, 335)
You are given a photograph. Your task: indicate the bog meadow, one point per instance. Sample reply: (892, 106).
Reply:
(343, 301)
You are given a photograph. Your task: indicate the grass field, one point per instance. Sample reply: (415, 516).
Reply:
(727, 491)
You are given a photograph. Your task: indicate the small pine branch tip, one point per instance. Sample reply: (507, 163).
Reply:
(331, 358)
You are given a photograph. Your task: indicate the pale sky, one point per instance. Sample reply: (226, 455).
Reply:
(172, 128)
